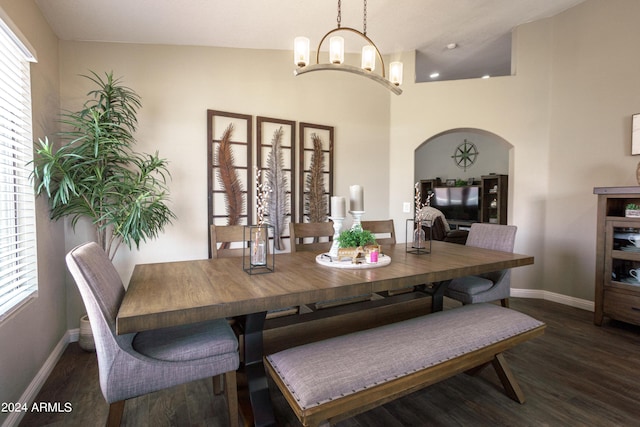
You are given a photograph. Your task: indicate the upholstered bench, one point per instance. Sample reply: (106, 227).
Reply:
(330, 380)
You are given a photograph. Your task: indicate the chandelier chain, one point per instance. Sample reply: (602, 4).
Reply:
(364, 18)
(339, 19)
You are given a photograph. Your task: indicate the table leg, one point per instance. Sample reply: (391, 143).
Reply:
(254, 369)
(437, 295)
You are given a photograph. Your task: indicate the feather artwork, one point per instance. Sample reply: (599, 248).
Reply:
(277, 182)
(228, 177)
(316, 202)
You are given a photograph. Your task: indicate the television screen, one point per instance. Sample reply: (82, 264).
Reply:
(457, 203)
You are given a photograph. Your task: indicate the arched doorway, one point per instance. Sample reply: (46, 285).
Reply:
(434, 157)
(471, 158)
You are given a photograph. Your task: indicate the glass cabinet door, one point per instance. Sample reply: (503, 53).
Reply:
(624, 246)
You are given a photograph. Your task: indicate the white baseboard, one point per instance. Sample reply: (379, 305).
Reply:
(552, 296)
(38, 381)
(74, 334)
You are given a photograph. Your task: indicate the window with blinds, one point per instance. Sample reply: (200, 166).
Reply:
(18, 267)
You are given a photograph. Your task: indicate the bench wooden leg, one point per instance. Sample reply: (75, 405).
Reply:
(509, 382)
(475, 371)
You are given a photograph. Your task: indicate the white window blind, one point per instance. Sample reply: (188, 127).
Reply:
(18, 267)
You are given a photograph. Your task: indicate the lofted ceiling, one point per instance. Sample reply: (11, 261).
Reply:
(480, 29)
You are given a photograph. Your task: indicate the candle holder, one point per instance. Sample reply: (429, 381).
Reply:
(337, 226)
(256, 258)
(357, 216)
(416, 241)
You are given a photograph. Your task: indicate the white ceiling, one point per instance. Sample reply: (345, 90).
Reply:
(480, 28)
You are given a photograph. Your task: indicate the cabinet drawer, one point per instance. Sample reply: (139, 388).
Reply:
(622, 306)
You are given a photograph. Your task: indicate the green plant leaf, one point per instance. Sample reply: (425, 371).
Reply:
(95, 172)
(355, 237)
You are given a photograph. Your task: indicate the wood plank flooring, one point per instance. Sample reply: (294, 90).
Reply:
(577, 374)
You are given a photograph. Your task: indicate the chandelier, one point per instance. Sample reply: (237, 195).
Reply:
(336, 56)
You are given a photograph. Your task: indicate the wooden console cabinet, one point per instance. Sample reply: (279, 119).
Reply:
(617, 292)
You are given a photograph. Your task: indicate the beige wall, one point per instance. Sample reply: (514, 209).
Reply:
(514, 108)
(594, 93)
(28, 337)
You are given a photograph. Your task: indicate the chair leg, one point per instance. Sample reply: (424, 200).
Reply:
(231, 394)
(505, 302)
(116, 409)
(218, 384)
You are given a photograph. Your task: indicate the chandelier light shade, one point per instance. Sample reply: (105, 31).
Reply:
(370, 54)
(395, 73)
(301, 51)
(336, 50)
(368, 58)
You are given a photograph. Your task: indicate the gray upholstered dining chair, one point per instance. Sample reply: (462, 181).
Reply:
(491, 286)
(132, 365)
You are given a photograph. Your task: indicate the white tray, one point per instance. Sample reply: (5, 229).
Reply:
(326, 260)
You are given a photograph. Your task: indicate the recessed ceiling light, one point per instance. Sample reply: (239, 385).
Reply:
(434, 75)
(452, 46)
(486, 76)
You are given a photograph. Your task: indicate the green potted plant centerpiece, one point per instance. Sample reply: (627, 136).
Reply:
(355, 243)
(95, 173)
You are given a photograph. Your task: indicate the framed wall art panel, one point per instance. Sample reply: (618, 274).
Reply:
(275, 152)
(230, 185)
(316, 171)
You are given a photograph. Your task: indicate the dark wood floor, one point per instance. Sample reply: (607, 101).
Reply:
(577, 374)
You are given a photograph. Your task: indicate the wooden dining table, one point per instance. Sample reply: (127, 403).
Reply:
(183, 292)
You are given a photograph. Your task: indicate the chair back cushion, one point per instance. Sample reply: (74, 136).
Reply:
(102, 293)
(98, 281)
(492, 236)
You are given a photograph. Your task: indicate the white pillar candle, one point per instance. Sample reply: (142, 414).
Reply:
(338, 207)
(356, 198)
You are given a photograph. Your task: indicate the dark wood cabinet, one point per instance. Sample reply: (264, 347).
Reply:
(617, 288)
(495, 190)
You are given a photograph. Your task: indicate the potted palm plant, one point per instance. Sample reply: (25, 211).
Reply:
(95, 173)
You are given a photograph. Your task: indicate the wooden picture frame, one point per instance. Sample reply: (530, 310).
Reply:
(635, 134)
(240, 146)
(265, 133)
(326, 136)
